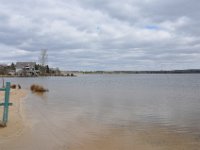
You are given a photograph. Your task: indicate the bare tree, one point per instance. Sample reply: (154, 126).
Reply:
(43, 60)
(43, 57)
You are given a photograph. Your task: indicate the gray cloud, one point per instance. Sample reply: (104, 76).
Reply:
(102, 35)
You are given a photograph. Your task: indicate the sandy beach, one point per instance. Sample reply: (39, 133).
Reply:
(15, 123)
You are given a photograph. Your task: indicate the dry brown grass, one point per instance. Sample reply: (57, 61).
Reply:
(38, 88)
(13, 86)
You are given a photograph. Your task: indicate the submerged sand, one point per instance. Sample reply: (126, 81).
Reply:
(147, 139)
(88, 136)
(15, 123)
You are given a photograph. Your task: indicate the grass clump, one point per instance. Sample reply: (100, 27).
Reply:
(38, 88)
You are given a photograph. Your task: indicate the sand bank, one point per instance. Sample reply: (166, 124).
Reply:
(15, 123)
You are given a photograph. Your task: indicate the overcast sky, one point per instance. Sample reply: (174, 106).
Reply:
(102, 34)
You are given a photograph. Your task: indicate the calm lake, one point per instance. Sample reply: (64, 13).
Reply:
(81, 111)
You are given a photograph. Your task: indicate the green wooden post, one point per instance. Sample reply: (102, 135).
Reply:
(6, 103)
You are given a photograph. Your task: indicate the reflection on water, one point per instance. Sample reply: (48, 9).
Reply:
(88, 106)
(41, 95)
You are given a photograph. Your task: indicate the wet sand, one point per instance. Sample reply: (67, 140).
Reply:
(15, 123)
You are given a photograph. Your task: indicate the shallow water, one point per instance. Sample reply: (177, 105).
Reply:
(80, 112)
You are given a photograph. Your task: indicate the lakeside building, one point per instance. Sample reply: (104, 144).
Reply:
(26, 69)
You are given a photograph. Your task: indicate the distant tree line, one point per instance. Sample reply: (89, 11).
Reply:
(4, 69)
(45, 70)
(144, 72)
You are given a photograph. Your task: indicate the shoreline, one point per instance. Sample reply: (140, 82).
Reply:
(9, 76)
(16, 123)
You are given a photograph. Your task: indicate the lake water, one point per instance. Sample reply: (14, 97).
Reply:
(79, 111)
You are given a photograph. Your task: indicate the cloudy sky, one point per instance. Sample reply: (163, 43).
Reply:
(102, 34)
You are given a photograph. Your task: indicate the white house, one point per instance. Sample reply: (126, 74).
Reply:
(26, 69)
